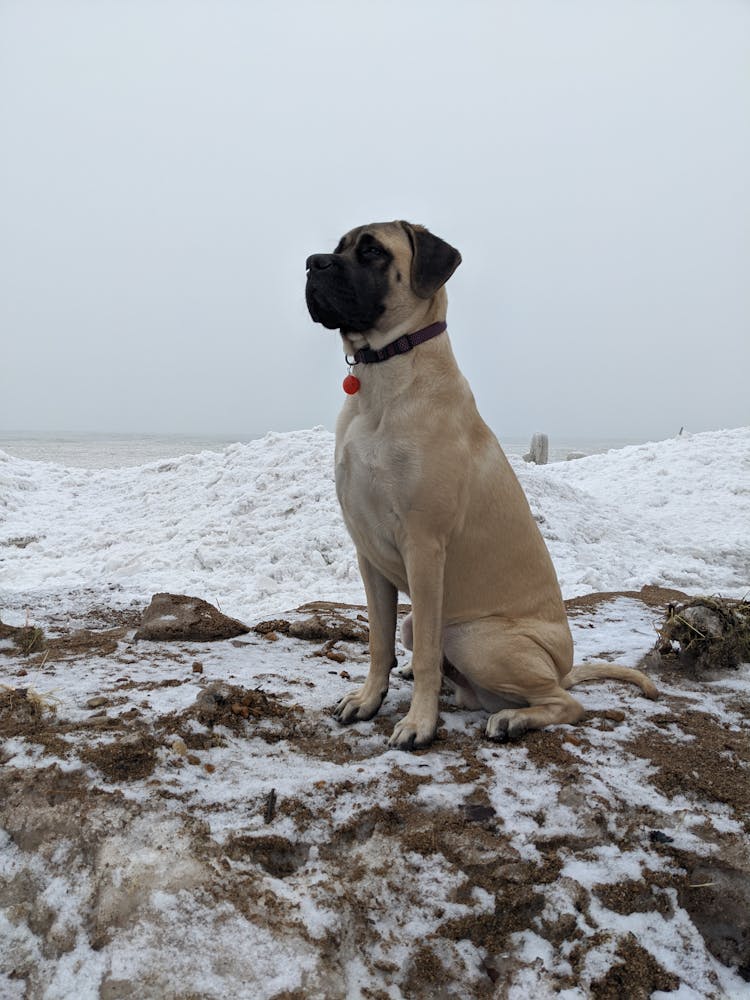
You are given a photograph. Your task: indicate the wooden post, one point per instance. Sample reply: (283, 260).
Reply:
(538, 452)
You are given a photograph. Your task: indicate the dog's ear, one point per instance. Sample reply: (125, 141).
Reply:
(433, 260)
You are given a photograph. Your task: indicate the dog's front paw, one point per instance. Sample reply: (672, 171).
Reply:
(358, 706)
(413, 733)
(506, 725)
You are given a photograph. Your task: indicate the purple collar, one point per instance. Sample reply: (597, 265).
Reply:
(403, 345)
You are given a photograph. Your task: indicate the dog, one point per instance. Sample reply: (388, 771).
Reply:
(433, 506)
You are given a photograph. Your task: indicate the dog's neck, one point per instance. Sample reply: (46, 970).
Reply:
(416, 374)
(434, 311)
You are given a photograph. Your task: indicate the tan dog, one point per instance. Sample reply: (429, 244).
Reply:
(434, 508)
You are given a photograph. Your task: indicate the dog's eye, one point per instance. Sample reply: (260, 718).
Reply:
(373, 250)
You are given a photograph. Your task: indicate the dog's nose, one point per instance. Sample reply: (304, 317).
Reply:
(319, 261)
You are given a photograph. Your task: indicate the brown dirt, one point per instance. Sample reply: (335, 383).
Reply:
(41, 648)
(124, 759)
(22, 713)
(231, 705)
(636, 976)
(653, 597)
(711, 766)
(633, 896)
(26, 639)
(330, 627)
(39, 807)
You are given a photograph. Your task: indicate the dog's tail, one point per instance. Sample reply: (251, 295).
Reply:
(609, 671)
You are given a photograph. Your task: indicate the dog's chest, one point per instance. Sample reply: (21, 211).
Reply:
(373, 477)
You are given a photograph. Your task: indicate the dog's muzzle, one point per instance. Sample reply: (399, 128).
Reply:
(338, 296)
(320, 291)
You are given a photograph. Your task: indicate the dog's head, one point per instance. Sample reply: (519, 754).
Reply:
(380, 279)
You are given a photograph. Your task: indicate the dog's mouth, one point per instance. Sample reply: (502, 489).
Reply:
(320, 308)
(335, 305)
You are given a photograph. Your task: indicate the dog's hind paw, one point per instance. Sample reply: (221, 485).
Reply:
(507, 724)
(406, 671)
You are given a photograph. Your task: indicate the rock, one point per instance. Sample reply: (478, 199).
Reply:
(218, 692)
(97, 701)
(332, 627)
(274, 625)
(477, 812)
(170, 617)
(658, 837)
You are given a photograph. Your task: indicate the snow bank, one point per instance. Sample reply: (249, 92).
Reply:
(257, 529)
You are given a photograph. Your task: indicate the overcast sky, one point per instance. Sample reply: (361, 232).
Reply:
(166, 168)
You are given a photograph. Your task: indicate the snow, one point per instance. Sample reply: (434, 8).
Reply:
(256, 527)
(257, 530)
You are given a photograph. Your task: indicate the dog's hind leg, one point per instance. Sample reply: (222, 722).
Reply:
(551, 709)
(504, 666)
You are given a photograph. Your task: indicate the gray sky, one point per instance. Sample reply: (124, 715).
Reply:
(166, 168)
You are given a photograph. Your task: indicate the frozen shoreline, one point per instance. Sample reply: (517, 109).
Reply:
(117, 451)
(256, 527)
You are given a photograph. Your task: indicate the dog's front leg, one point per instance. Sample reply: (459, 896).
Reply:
(382, 601)
(425, 564)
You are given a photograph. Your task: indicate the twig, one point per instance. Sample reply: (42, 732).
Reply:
(270, 806)
(692, 627)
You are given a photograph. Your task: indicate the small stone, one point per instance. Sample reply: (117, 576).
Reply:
(97, 701)
(179, 746)
(193, 758)
(477, 812)
(209, 768)
(613, 714)
(271, 636)
(658, 837)
(197, 667)
(97, 719)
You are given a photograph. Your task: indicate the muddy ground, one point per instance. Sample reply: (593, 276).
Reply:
(202, 797)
